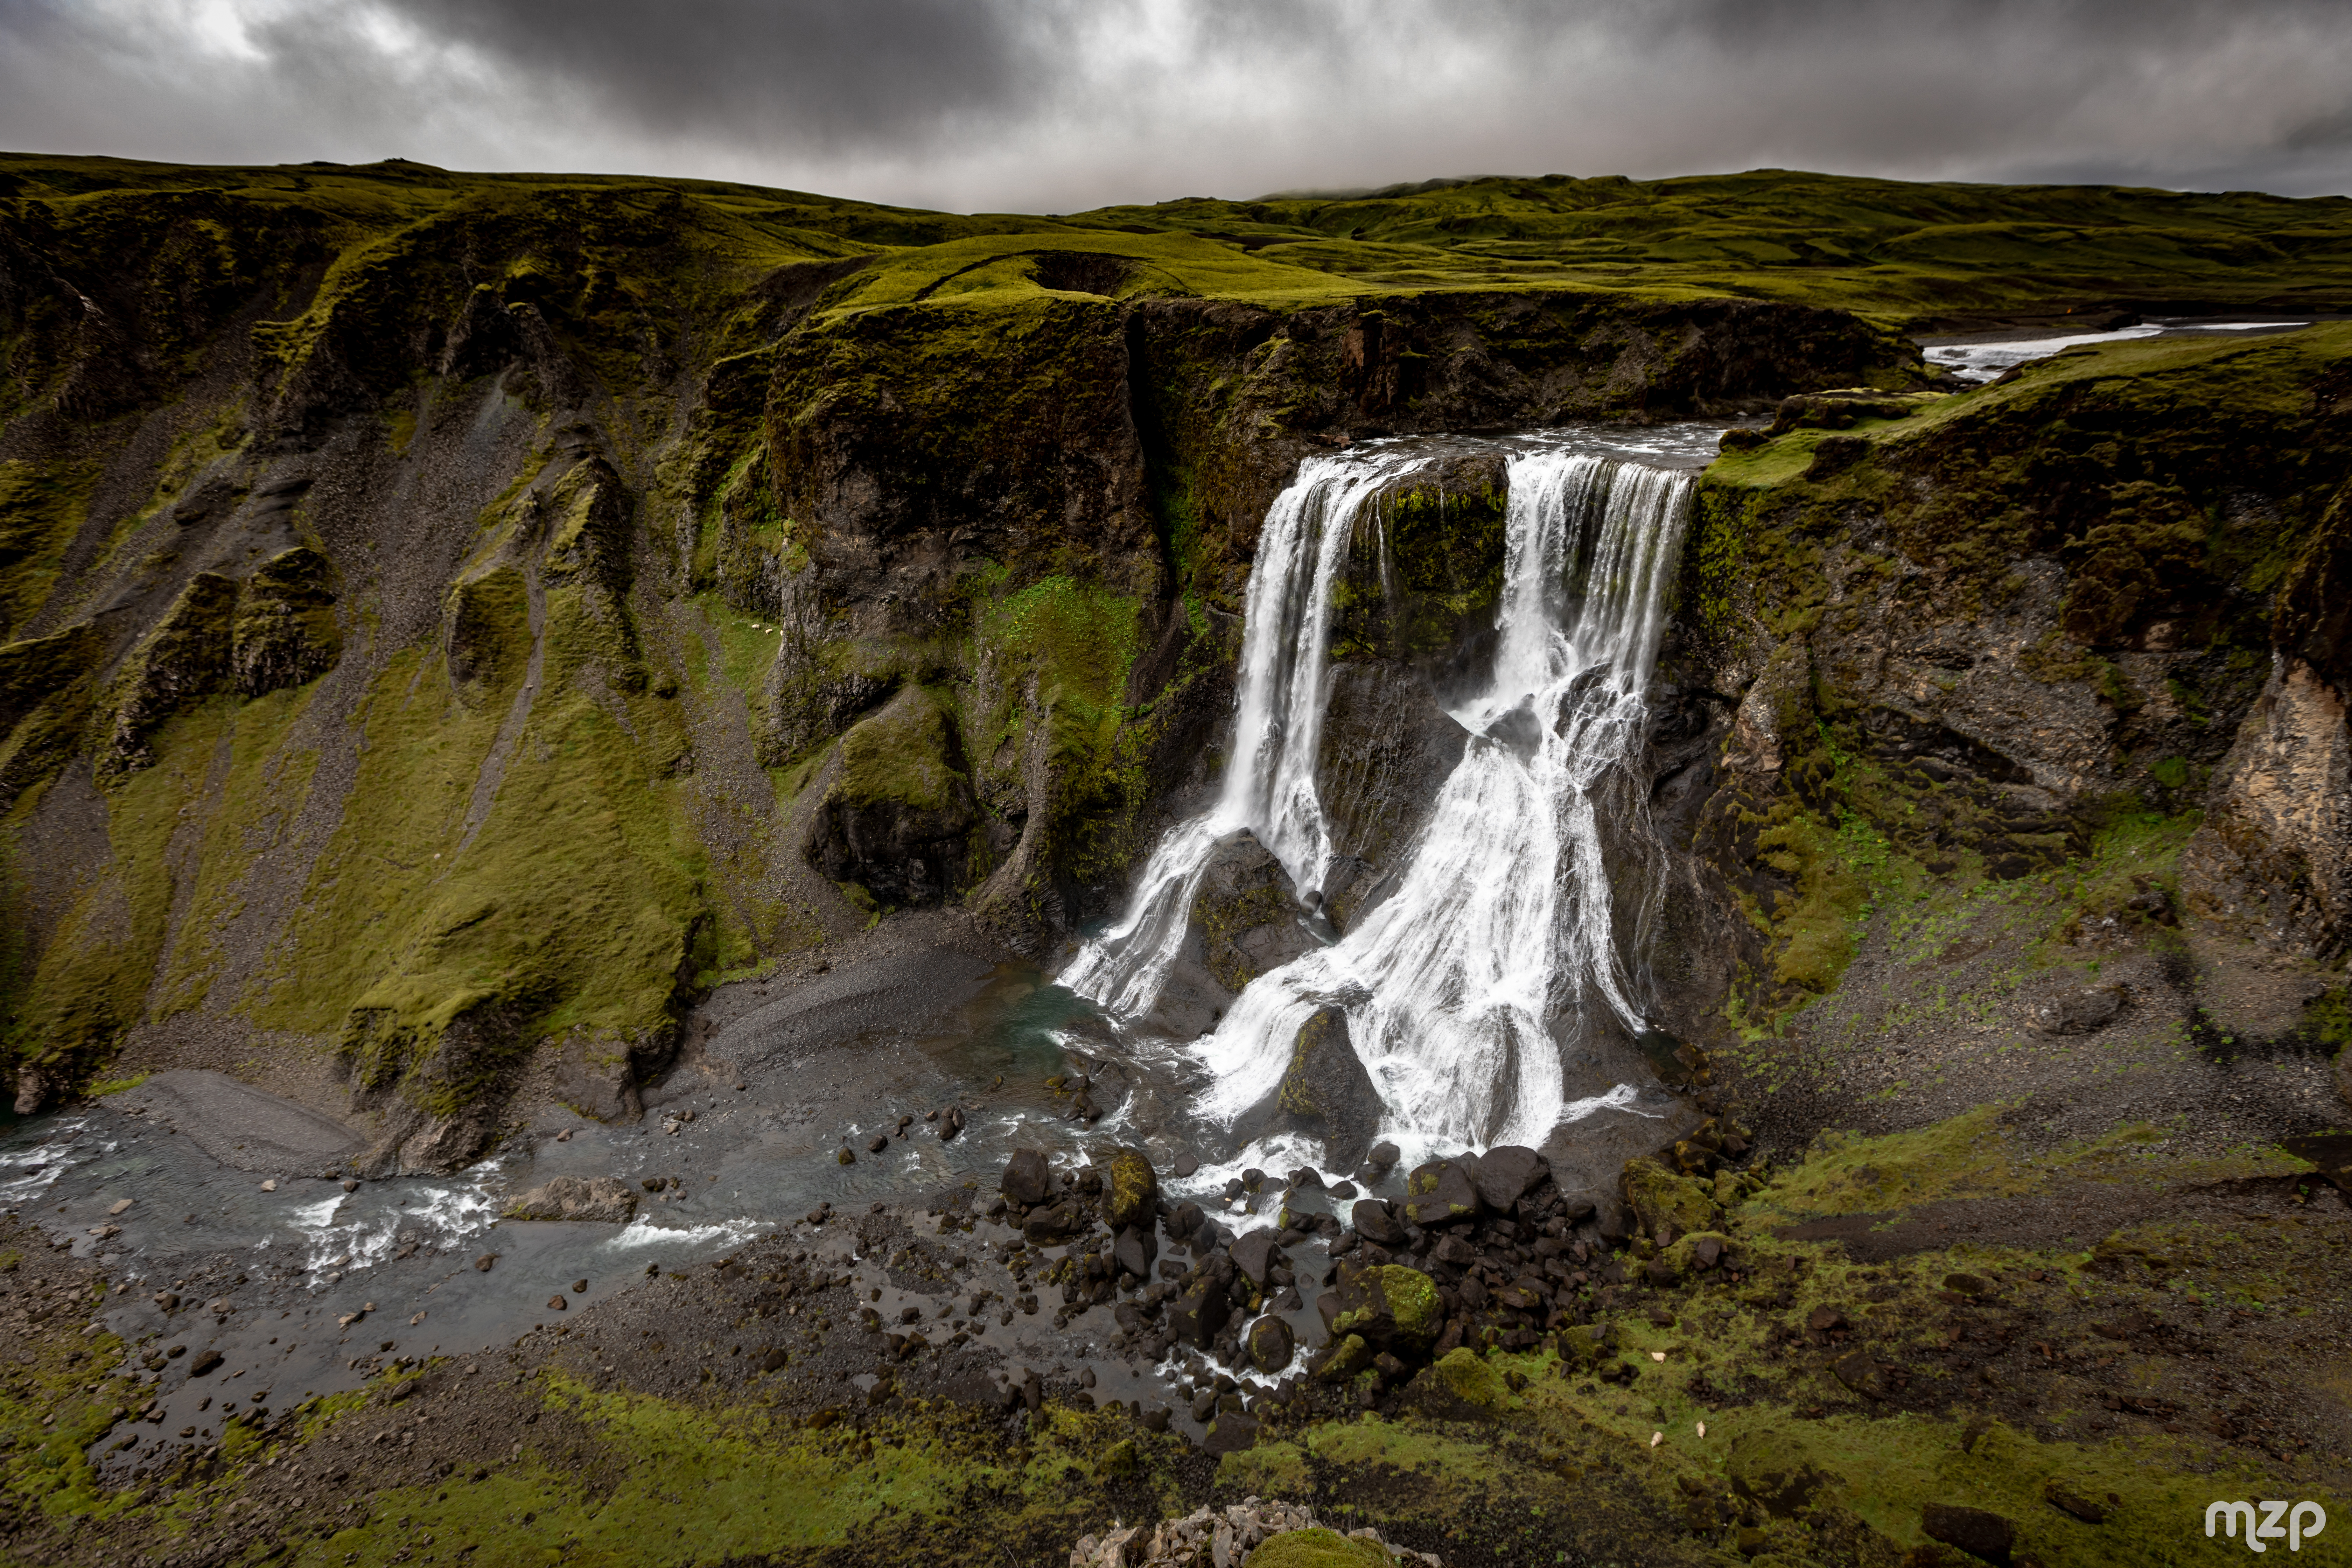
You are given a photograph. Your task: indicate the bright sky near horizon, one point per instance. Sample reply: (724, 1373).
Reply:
(1058, 105)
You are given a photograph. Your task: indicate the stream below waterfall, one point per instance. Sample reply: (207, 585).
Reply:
(1471, 991)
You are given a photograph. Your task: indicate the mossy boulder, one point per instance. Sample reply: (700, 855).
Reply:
(1346, 1356)
(899, 819)
(1133, 1194)
(1392, 1305)
(1774, 1471)
(1319, 1548)
(1461, 1383)
(1328, 1093)
(1246, 913)
(1668, 1204)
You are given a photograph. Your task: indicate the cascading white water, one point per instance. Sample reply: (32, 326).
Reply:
(1503, 920)
(1269, 784)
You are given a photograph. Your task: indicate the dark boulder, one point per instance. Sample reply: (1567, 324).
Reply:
(1253, 1255)
(1391, 1307)
(1047, 1225)
(1183, 1220)
(1246, 915)
(1028, 1180)
(1977, 1532)
(1194, 1318)
(1505, 1174)
(1270, 1344)
(1372, 1221)
(1441, 1192)
(1137, 1248)
(1327, 1093)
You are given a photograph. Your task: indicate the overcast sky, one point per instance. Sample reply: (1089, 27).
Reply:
(1057, 105)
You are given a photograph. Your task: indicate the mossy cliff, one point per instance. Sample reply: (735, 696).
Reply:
(450, 619)
(1997, 633)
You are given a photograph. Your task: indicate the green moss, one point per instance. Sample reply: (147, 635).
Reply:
(41, 510)
(1318, 1549)
(903, 755)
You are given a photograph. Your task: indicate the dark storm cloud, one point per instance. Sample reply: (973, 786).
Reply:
(1055, 104)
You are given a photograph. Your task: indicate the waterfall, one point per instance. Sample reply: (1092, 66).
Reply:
(1268, 785)
(1500, 934)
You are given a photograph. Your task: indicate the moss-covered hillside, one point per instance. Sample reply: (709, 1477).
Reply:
(447, 622)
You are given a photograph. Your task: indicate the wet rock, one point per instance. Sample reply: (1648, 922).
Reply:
(1051, 1224)
(1134, 1190)
(1981, 1533)
(2344, 1074)
(1506, 1173)
(1383, 1156)
(950, 1122)
(1187, 1164)
(1441, 1192)
(556, 1304)
(205, 1361)
(1245, 916)
(1393, 1307)
(1253, 1255)
(603, 1198)
(1270, 1344)
(1135, 1250)
(1326, 1093)
(1373, 1221)
(1028, 1180)
(876, 1144)
(1388, 747)
(1194, 1318)
(1183, 1220)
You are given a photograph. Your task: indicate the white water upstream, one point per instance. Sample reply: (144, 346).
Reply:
(1500, 938)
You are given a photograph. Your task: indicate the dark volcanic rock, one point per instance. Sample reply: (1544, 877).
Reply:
(1134, 1189)
(1389, 1306)
(1246, 913)
(1028, 1180)
(1505, 1174)
(1441, 1192)
(1327, 1092)
(1372, 1220)
(899, 819)
(1270, 1344)
(1253, 1255)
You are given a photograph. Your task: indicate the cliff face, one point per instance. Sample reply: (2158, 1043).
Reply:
(449, 622)
(2037, 634)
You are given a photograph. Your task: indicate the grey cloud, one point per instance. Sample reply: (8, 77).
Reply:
(1057, 104)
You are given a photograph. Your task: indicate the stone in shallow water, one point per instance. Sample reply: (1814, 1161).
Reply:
(601, 1198)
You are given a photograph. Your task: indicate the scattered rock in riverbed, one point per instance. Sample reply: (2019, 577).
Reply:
(1267, 1534)
(603, 1198)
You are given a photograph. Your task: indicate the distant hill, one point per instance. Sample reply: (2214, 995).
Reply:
(1910, 254)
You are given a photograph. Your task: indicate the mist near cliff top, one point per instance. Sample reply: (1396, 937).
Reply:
(1029, 105)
